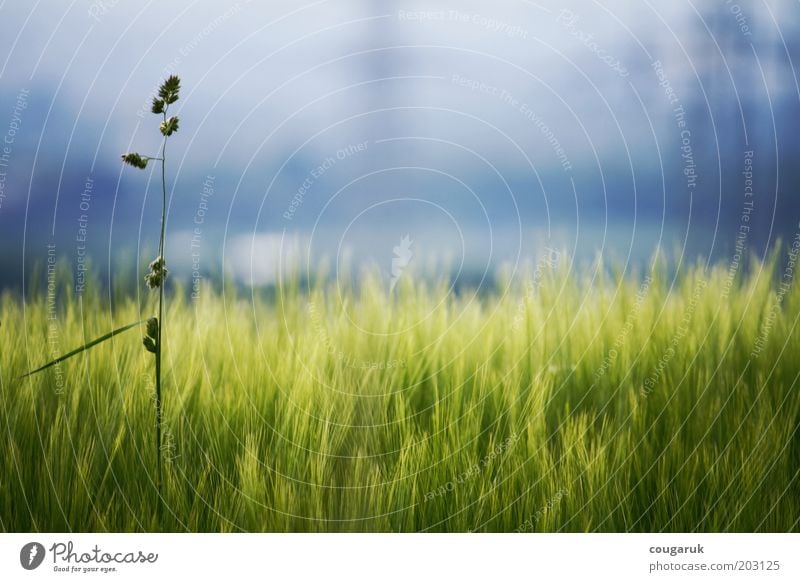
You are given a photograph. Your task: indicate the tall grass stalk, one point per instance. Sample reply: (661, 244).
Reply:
(168, 93)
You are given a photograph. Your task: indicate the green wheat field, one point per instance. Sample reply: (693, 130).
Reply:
(568, 399)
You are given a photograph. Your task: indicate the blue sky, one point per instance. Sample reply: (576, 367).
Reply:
(333, 129)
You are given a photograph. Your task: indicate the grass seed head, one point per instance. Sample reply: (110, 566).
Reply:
(169, 89)
(169, 126)
(152, 327)
(135, 160)
(158, 273)
(149, 344)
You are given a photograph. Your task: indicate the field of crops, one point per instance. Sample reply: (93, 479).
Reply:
(563, 400)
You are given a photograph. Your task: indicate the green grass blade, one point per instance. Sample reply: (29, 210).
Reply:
(84, 347)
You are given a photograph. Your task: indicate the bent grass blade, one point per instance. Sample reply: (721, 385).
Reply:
(84, 347)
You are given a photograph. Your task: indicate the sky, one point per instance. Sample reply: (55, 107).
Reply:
(328, 132)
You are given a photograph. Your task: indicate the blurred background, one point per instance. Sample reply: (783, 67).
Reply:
(484, 132)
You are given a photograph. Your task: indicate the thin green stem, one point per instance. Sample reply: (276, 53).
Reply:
(161, 304)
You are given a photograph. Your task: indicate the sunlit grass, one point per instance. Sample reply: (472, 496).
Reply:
(556, 402)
